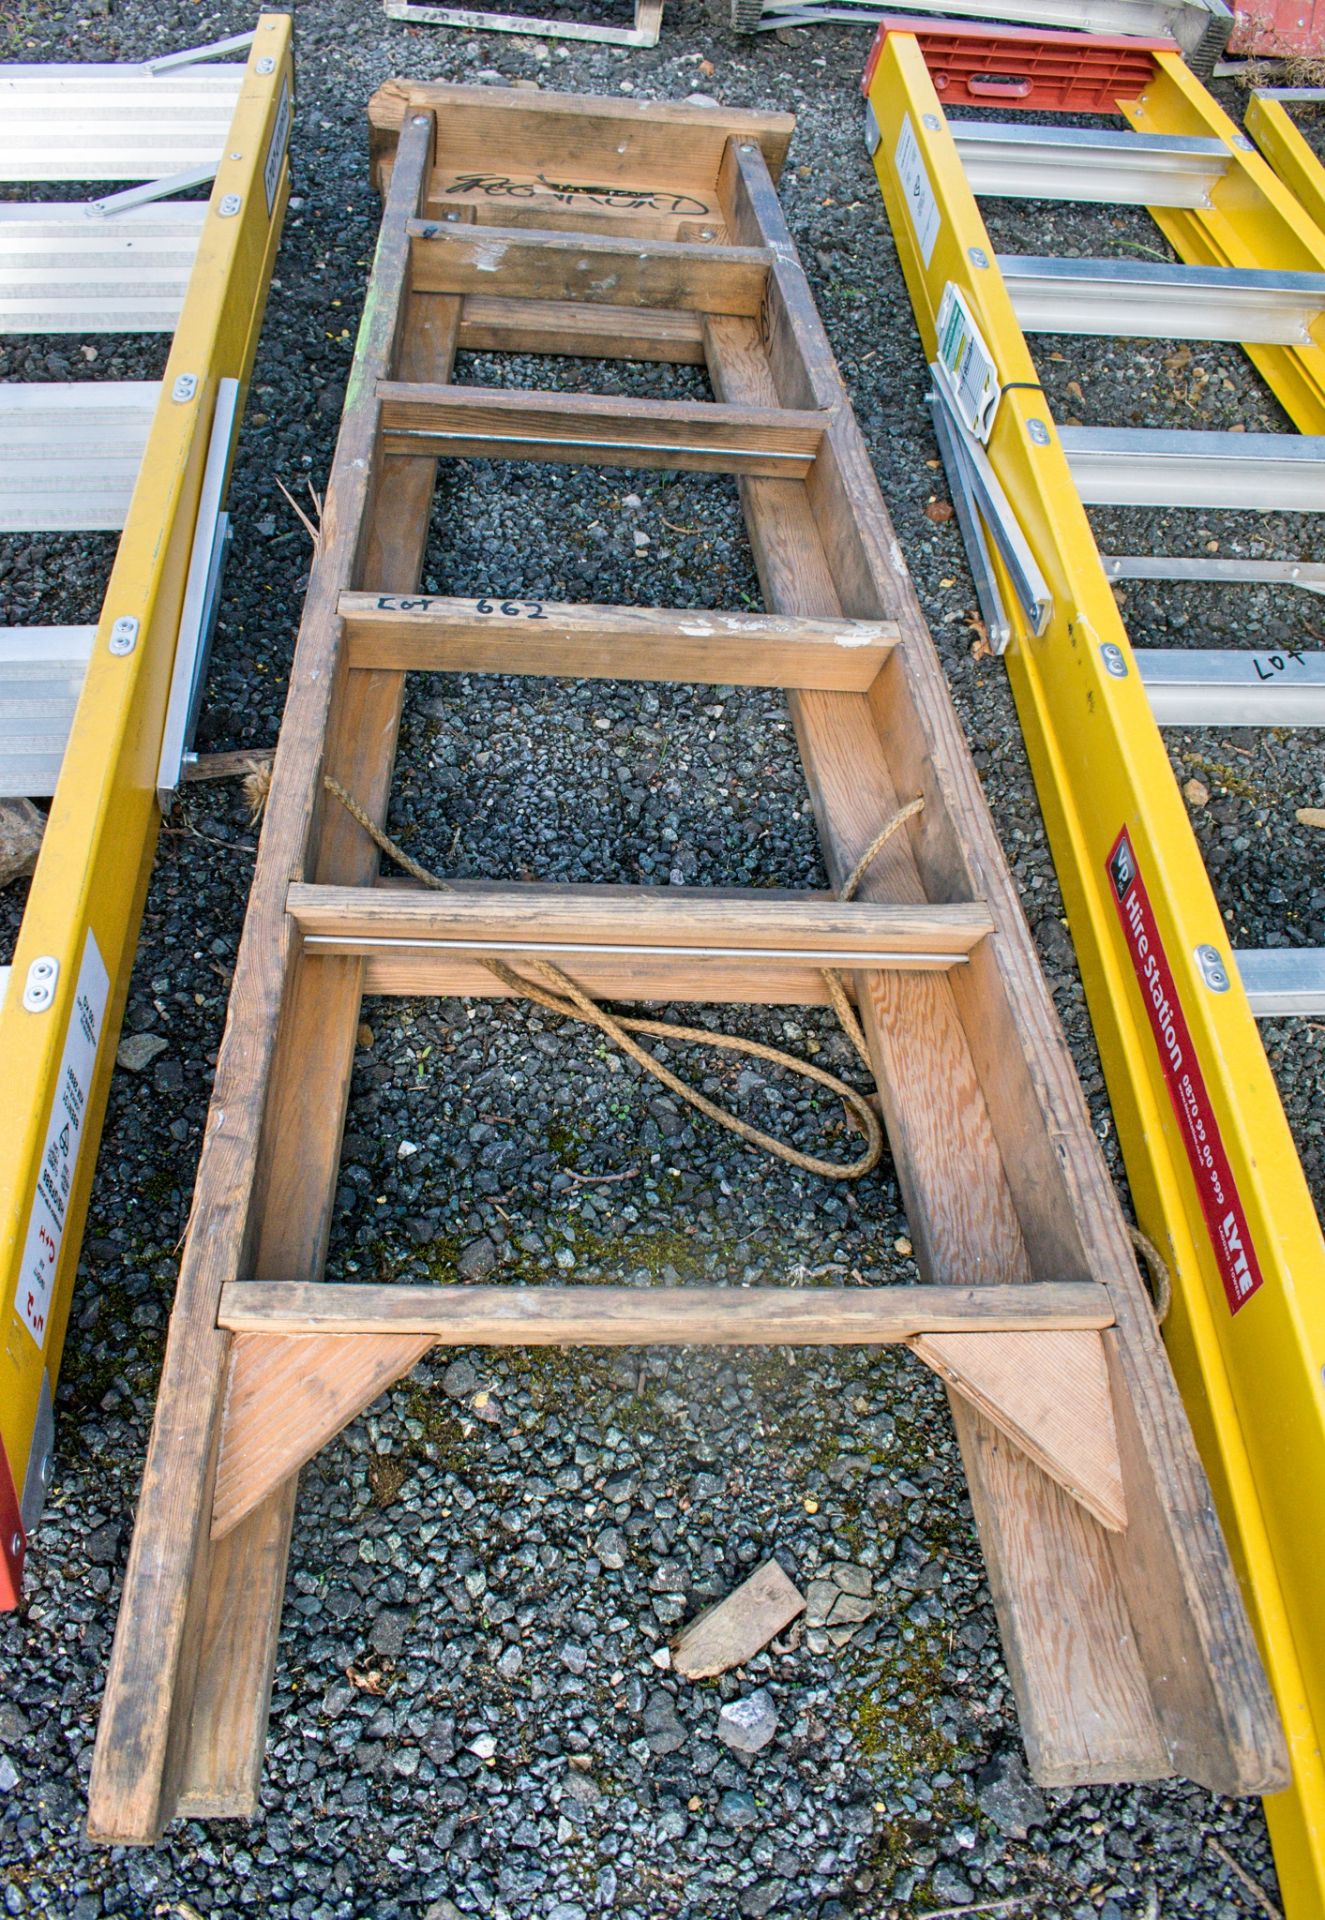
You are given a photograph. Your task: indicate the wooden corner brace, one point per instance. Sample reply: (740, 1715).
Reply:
(1049, 1392)
(288, 1394)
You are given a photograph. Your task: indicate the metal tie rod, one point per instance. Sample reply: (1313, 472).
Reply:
(1282, 980)
(1159, 467)
(1088, 164)
(1141, 299)
(1214, 687)
(1309, 575)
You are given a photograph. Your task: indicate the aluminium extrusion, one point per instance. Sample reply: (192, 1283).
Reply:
(1217, 687)
(1309, 575)
(70, 453)
(966, 506)
(1151, 300)
(1283, 982)
(643, 33)
(1088, 164)
(1001, 522)
(1175, 467)
(197, 619)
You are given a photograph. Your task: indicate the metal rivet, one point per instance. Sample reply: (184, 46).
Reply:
(236, 156)
(1241, 140)
(1038, 432)
(186, 385)
(124, 635)
(230, 205)
(1213, 970)
(748, 146)
(15, 1545)
(932, 121)
(39, 987)
(977, 256)
(1114, 659)
(265, 65)
(419, 120)
(706, 233)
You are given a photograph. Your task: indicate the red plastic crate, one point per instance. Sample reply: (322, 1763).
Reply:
(975, 65)
(1278, 29)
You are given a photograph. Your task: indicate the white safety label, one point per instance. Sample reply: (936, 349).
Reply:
(968, 363)
(916, 190)
(64, 1135)
(280, 134)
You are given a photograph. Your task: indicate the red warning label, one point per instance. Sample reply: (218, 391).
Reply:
(1220, 1203)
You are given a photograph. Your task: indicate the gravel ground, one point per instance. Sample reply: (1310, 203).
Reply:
(468, 1718)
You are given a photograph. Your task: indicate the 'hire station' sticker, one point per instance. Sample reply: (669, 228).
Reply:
(1225, 1216)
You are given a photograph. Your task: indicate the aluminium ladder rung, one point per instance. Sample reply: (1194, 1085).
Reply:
(70, 453)
(1088, 164)
(76, 122)
(41, 676)
(1163, 467)
(66, 270)
(1216, 687)
(1308, 575)
(1282, 981)
(1145, 299)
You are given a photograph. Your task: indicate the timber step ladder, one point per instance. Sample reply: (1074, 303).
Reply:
(1211, 1163)
(1120, 1614)
(100, 717)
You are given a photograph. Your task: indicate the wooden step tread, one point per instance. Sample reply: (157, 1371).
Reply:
(592, 428)
(659, 1316)
(436, 634)
(528, 917)
(447, 256)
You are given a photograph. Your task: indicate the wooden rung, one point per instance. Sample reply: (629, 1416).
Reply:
(658, 1316)
(595, 429)
(437, 635)
(491, 324)
(569, 925)
(535, 263)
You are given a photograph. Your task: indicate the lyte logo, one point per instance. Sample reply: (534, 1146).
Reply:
(1239, 1266)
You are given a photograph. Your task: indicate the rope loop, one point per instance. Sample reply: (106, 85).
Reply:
(555, 991)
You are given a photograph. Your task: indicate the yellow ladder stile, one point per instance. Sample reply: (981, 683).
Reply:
(1250, 1369)
(86, 898)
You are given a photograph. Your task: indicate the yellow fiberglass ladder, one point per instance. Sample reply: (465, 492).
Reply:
(1212, 1164)
(98, 719)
